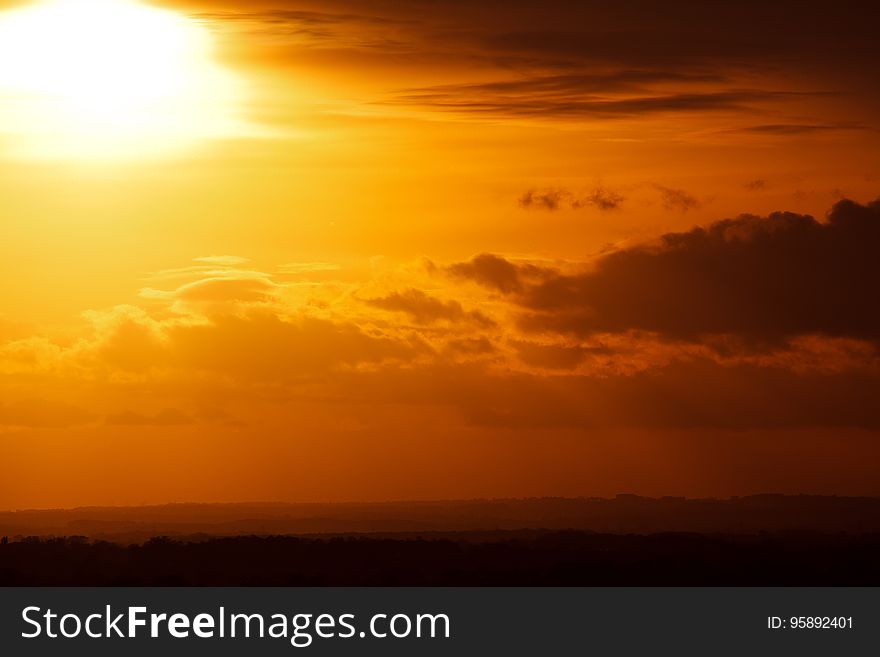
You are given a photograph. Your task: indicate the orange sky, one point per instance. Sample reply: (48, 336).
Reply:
(444, 250)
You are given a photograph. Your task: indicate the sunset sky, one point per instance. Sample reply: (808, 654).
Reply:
(390, 250)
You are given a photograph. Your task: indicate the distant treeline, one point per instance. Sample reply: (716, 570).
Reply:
(567, 558)
(624, 514)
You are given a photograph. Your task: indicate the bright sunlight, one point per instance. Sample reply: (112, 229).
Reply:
(109, 79)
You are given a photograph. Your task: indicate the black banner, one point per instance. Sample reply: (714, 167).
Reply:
(439, 621)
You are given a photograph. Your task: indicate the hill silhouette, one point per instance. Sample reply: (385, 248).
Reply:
(628, 540)
(622, 514)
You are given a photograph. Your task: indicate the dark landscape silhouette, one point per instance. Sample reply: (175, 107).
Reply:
(622, 514)
(757, 540)
(564, 558)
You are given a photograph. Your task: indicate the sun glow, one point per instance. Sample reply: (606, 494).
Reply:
(109, 79)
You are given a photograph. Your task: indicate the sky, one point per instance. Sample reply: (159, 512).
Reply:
(388, 250)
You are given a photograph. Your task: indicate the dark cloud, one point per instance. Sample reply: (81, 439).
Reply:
(681, 33)
(578, 83)
(760, 278)
(547, 199)
(581, 105)
(601, 198)
(583, 60)
(757, 185)
(551, 199)
(426, 309)
(558, 89)
(797, 129)
(497, 273)
(676, 199)
(632, 33)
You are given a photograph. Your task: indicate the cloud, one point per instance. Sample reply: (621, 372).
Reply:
(259, 344)
(426, 309)
(548, 199)
(761, 278)
(307, 267)
(678, 36)
(635, 34)
(602, 198)
(227, 289)
(599, 95)
(552, 199)
(797, 129)
(497, 273)
(676, 199)
(472, 346)
(126, 338)
(552, 356)
(218, 292)
(265, 347)
(285, 32)
(749, 322)
(580, 106)
(629, 80)
(572, 58)
(272, 16)
(757, 185)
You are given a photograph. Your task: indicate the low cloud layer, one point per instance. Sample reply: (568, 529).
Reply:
(748, 323)
(759, 278)
(426, 309)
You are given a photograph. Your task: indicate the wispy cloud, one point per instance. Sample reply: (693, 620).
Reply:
(600, 198)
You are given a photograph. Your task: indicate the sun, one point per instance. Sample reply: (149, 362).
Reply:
(110, 78)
